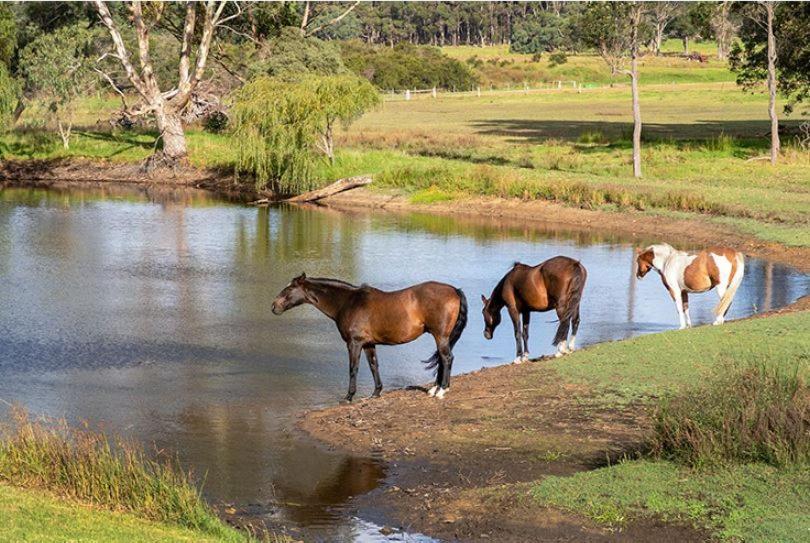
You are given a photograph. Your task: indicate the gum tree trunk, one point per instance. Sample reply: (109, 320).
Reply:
(170, 127)
(775, 144)
(636, 15)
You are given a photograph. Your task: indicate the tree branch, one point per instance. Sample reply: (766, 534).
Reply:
(121, 50)
(333, 21)
(185, 48)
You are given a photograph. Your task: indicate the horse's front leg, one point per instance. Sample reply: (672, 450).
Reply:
(685, 304)
(371, 356)
(676, 297)
(354, 365)
(515, 316)
(526, 318)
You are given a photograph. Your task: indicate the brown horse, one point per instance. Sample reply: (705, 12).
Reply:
(367, 317)
(556, 283)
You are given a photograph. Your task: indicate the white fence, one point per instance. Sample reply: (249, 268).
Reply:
(525, 88)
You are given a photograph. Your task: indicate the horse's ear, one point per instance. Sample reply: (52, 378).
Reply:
(484, 299)
(300, 278)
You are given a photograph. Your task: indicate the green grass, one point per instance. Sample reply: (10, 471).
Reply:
(89, 467)
(657, 364)
(35, 515)
(749, 503)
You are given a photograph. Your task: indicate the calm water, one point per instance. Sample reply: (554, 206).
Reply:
(148, 313)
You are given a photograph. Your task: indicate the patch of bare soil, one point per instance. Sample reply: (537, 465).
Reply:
(644, 227)
(504, 425)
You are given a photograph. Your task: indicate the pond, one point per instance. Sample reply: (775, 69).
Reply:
(147, 313)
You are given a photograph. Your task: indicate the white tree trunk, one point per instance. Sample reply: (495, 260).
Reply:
(772, 84)
(634, 46)
(171, 131)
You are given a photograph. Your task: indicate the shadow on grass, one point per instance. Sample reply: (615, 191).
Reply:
(538, 131)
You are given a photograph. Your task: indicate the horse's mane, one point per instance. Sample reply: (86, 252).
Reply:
(327, 281)
(496, 292)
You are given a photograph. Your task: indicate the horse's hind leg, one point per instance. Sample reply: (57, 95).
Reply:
(446, 364)
(526, 318)
(574, 328)
(561, 337)
(371, 356)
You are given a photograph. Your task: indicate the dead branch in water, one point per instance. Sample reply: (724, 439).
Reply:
(341, 185)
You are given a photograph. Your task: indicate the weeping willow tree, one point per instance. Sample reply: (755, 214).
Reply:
(284, 128)
(9, 94)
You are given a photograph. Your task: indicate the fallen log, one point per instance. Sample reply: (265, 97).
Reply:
(341, 185)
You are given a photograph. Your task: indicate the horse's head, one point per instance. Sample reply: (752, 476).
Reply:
(293, 295)
(492, 317)
(644, 261)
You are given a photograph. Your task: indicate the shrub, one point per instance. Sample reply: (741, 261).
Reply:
(557, 58)
(759, 413)
(114, 474)
(406, 66)
(216, 122)
(536, 34)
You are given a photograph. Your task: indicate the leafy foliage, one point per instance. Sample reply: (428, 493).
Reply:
(280, 125)
(290, 55)
(58, 66)
(749, 57)
(9, 93)
(8, 34)
(537, 34)
(406, 66)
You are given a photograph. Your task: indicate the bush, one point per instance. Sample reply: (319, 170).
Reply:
(536, 34)
(291, 55)
(557, 58)
(760, 413)
(406, 66)
(216, 122)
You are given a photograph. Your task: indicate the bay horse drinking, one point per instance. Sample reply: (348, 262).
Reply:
(682, 273)
(556, 283)
(367, 317)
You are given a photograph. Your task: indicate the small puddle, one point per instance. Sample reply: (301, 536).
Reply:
(147, 313)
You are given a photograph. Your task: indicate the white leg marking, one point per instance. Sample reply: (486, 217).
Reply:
(688, 318)
(571, 343)
(679, 307)
(432, 391)
(517, 360)
(441, 393)
(561, 349)
(525, 357)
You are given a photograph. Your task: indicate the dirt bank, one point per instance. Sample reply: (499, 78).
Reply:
(643, 226)
(62, 172)
(508, 424)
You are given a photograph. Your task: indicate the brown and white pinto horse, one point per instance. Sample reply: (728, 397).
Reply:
(556, 283)
(367, 317)
(682, 273)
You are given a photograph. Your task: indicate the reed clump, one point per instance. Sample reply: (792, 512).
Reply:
(757, 413)
(111, 473)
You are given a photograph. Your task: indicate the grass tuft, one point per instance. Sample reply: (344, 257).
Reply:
(760, 413)
(114, 474)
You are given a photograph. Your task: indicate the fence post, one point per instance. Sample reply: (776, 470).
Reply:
(525, 87)
(579, 89)
(559, 85)
(407, 94)
(434, 92)
(479, 91)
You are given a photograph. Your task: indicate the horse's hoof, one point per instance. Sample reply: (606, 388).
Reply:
(347, 399)
(517, 360)
(558, 354)
(375, 394)
(524, 358)
(432, 391)
(441, 393)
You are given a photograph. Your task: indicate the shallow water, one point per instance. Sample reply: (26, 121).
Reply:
(148, 313)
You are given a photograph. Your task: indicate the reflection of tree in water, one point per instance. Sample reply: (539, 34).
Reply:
(493, 228)
(78, 194)
(298, 239)
(247, 462)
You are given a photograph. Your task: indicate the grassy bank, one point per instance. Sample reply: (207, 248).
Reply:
(36, 515)
(738, 489)
(87, 467)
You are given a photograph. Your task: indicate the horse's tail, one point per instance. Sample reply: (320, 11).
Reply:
(733, 284)
(455, 333)
(571, 300)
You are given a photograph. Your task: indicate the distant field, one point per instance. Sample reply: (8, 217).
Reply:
(496, 66)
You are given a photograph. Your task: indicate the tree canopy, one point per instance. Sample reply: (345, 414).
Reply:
(749, 57)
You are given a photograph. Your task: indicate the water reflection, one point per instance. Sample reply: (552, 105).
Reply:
(147, 312)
